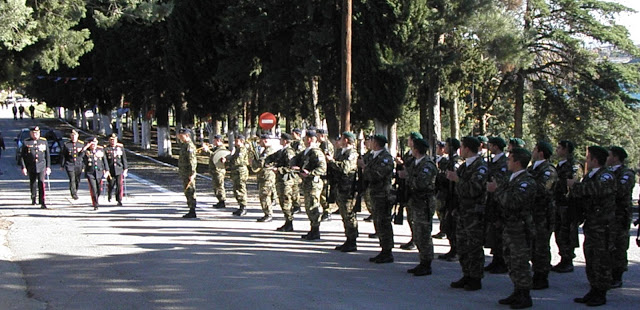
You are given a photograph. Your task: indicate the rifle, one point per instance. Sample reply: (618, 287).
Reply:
(358, 187)
(400, 188)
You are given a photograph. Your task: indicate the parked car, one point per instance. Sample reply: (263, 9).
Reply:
(54, 139)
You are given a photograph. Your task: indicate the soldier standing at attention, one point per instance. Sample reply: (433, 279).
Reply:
(95, 168)
(343, 168)
(439, 159)
(285, 179)
(118, 167)
(470, 184)
(378, 173)
(626, 180)
(543, 213)
(449, 197)
(217, 171)
(36, 163)
(402, 190)
(298, 147)
(266, 178)
(71, 161)
(499, 173)
(598, 190)
(187, 165)
(515, 200)
(566, 228)
(420, 176)
(313, 166)
(238, 161)
(326, 199)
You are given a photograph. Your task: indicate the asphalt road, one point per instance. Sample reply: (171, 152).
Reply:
(145, 256)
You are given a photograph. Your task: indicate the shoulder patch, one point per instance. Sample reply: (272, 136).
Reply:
(606, 177)
(547, 173)
(504, 169)
(482, 170)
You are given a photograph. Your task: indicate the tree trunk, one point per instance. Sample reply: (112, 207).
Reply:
(453, 119)
(345, 107)
(423, 106)
(519, 108)
(314, 101)
(164, 141)
(435, 126)
(136, 130)
(146, 134)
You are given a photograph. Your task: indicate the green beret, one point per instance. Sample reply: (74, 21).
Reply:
(454, 143)
(545, 147)
(382, 140)
(517, 142)
(598, 152)
(482, 139)
(349, 135)
(497, 141)
(415, 136)
(518, 151)
(471, 142)
(421, 142)
(619, 152)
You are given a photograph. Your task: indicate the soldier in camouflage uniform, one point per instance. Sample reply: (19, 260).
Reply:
(363, 161)
(285, 178)
(626, 180)
(420, 176)
(543, 213)
(402, 190)
(471, 181)
(515, 198)
(238, 161)
(266, 178)
(378, 173)
(448, 197)
(566, 228)
(598, 190)
(187, 164)
(439, 158)
(343, 168)
(297, 146)
(327, 197)
(498, 172)
(217, 173)
(312, 166)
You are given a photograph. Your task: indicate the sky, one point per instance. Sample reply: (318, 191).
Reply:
(631, 21)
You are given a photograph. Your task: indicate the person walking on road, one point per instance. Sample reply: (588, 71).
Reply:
(15, 112)
(21, 110)
(32, 111)
(71, 162)
(36, 163)
(238, 162)
(96, 168)
(187, 165)
(118, 167)
(217, 169)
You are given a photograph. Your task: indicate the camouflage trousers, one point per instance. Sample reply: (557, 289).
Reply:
(295, 192)
(217, 182)
(285, 189)
(189, 191)
(324, 202)
(517, 252)
(597, 256)
(344, 200)
(421, 212)
(469, 240)
(266, 187)
(566, 233)
(239, 178)
(620, 232)
(311, 189)
(541, 249)
(382, 217)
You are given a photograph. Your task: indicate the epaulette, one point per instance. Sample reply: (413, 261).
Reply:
(42, 138)
(98, 147)
(119, 144)
(80, 141)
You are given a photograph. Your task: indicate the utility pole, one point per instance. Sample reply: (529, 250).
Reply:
(345, 106)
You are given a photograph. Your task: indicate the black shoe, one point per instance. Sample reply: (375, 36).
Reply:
(373, 259)
(449, 256)
(409, 245)
(313, 234)
(119, 203)
(460, 283)
(499, 268)
(74, 196)
(423, 269)
(266, 218)
(287, 227)
(240, 212)
(564, 266)
(511, 299)
(368, 218)
(295, 210)
(220, 205)
(473, 284)
(43, 206)
(599, 298)
(522, 301)
(385, 257)
(109, 198)
(337, 212)
(585, 298)
(95, 208)
(33, 201)
(439, 235)
(540, 281)
(491, 265)
(189, 215)
(326, 217)
(373, 236)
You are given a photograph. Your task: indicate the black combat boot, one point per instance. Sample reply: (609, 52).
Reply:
(220, 205)
(522, 301)
(326, 217)
(439, 235)
(296, 210)
(288, 226)
(347, 246)
(450, 256)
(266, 218)
(423, 269)
(473, 284)
(191, 214)
(599, 298)
(617, 278)
(373, 235)
(313, 234)
(586, 298)
(511, 299)
(460, 283)
(384, 257)
(241, 211)
(409, 245)
(565, 265)
(540, 281)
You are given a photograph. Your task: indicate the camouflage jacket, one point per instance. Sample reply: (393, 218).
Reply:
(566, 170)
(314, 162)
(546, 176)
(211, 152)
(239, 159)
(267, 161)
(187, 162)
(421, 178)
(498, 170)
(472, 183)
(283, 163)
(378, 172)
(626, 180)
(516, 198)
(344, 167)
(599, 193)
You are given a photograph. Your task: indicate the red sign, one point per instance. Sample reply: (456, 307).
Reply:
(267, 121)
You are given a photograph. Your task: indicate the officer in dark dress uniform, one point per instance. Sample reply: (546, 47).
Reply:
(117, 159)
(71, 162)
(95, 168)
(35, 161)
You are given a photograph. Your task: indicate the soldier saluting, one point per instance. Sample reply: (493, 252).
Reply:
(36, 163)
(118, 168)
(71, 161)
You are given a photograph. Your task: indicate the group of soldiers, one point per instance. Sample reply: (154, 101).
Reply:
(486, 193)
(99, 163)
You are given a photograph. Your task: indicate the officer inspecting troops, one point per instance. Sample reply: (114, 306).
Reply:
(598, 191)
(71, 161)
(217, 168)
(343, 168)
(187, 165)
(378, 173)
(266, 178)
(499, 173)
(311, 166)
(566, 225)
(546, 177)
(626, 180)
(96, 168)
(515, 199)
(285, 178)
(238, 161)
(118, 168)
(36, 163)
(470, 184)
(420, 175)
